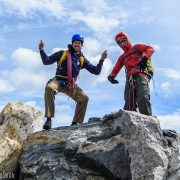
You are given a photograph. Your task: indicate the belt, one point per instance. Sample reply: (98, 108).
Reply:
(145, 76)
(65, 77)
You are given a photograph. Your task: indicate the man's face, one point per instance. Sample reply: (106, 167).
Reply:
(122, 43)
(77, 45)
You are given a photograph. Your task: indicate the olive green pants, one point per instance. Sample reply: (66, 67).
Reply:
(53, 87)
(139, 96)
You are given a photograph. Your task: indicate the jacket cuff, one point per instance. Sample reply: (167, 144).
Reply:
(101, 61)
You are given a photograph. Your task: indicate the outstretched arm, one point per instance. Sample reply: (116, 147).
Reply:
(47, 60)
(95, 69)
(119, 64)
(115, 71)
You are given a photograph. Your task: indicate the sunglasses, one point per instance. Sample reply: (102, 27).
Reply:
(120, 42)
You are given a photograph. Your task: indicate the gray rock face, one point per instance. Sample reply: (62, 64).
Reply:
(120, 146)
(17, 121)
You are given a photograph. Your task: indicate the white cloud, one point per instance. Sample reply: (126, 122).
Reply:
(115, 49)
(29, 8)
(63, 115)
(92, 46)
(165, 87)
(5, 86)
(97, 24)
(95, 4)
(30, 74)
(94, 79)
(33, 104)
(26, 58)
(62, 119)
(56, 50)
(25, 80)
(107, 66)
(170, 73)
(170, 121)
(97, 14)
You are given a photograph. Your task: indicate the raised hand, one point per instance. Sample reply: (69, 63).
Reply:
(104, 55)
(41, 45)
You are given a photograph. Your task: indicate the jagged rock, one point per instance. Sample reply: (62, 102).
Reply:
(174, 165)
(169, 133)
(169, 136)
(93, 119)
(120, 146)
(17, 121)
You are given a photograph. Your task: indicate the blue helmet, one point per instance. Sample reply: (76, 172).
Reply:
(77, 37)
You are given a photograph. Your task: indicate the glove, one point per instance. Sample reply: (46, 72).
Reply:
(143, 63)
(70, 48)
(112, 80)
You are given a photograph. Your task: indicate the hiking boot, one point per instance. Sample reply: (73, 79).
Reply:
(74, 123)
(47, 124)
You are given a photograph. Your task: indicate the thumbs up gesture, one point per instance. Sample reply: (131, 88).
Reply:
(104, 55)
(41, 45)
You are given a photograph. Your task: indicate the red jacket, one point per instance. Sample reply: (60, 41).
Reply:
(131, 61)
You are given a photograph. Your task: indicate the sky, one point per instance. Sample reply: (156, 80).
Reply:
(23, 77)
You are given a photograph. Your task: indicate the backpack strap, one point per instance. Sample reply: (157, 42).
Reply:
(123, 57)
(136, 53)
(82, 61)
(133, 52)
(62, 58)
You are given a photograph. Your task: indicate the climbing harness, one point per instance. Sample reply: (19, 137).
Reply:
(149, 67)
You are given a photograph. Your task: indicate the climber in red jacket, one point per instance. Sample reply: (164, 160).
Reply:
(134, 59)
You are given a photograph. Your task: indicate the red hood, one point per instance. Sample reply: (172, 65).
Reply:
(122, 35)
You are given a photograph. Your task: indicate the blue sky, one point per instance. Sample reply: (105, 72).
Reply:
(23, 23)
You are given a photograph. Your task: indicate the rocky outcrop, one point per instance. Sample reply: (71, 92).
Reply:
(120, 146)
(17, 122)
